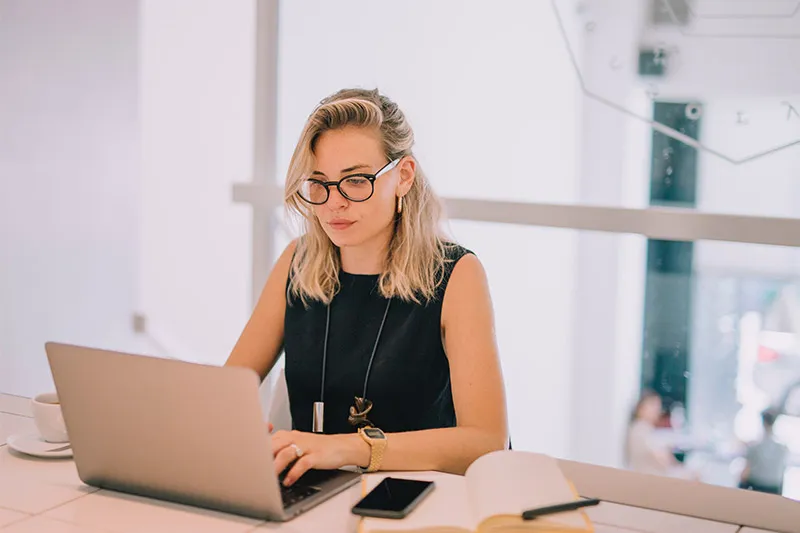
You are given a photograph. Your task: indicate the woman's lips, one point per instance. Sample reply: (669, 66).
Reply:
(340, 224)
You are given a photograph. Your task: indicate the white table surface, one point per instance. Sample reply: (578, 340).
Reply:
(46, 496)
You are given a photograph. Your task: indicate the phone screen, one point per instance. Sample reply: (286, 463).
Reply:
(393, 496)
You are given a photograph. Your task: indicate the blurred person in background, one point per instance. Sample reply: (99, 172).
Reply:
(645, 452)
(765, 460)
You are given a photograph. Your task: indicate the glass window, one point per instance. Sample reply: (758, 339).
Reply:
(586, 320)
(553, 101)
(585, 103)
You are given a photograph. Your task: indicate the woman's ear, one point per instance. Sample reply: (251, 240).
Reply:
(408, 170)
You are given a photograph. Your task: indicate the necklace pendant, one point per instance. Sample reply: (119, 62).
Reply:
(318, 417)
(359, 412)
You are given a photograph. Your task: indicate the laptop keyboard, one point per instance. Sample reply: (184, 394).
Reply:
(292, 495)
(308, 485)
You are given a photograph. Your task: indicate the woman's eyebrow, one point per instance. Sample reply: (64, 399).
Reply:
(344, 170)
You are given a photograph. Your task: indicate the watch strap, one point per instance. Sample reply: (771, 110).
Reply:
(377, 449)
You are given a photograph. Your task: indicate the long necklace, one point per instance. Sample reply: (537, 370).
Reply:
(362, 406)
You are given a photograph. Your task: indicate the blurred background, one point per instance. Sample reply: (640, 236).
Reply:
(627, 171)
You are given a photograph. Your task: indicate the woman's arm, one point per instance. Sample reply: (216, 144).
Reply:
(261, 341)
(478, 395)
(665, 458)
(476, 379)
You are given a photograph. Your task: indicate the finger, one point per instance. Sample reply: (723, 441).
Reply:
(284, 458)
(301, 466)
(280, 440)
(270, 427)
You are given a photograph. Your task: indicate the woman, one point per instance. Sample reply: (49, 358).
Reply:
(645, 453)
(391, 360)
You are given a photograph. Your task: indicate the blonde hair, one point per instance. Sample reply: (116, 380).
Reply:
(416, 256)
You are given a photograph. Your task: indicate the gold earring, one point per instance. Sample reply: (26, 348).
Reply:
(399, 204)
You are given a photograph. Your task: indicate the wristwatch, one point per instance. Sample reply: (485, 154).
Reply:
(377, 444)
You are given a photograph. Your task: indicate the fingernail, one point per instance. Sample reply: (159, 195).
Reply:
(287, 482)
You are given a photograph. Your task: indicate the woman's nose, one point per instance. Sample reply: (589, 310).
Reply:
(335, 199)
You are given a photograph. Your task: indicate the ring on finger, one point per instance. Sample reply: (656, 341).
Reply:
(298, 451)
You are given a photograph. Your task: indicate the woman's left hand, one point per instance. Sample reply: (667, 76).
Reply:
(324, 452)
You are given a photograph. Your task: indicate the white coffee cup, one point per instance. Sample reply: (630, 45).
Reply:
(47, 416)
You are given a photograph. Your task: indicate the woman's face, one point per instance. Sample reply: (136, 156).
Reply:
(651, 409)
(344, 152)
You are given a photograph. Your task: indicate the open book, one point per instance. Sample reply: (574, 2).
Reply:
(490, 497)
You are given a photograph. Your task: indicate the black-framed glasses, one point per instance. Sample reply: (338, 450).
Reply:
(355, 187)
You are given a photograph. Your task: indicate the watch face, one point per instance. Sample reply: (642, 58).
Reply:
(374, 433)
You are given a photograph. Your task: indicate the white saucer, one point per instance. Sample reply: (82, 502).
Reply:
(33, 444)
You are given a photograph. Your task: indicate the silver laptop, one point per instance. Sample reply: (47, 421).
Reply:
(178, 431)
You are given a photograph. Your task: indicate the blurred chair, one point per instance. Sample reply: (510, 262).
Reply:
(276, 405)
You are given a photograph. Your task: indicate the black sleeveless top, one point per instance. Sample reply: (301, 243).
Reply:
(409, 383)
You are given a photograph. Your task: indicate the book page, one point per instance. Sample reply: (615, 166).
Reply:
(510, 482)
(446, 508)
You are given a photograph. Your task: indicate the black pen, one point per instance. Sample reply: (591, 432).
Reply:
(531, 514)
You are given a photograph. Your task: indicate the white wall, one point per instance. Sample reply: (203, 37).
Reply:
(197, 118)
(609, 283)
(69, 193)
(123, 125)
